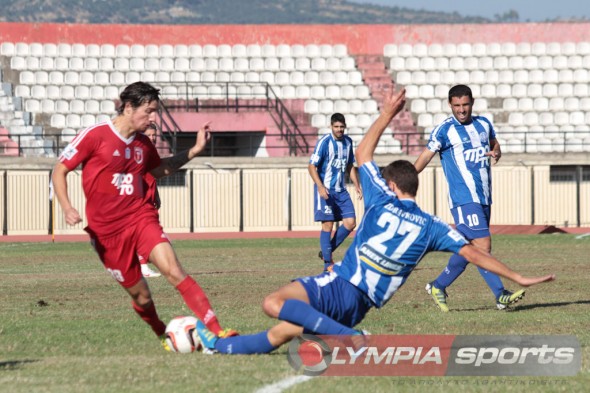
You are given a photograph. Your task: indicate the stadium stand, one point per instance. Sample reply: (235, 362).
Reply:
(534, 88)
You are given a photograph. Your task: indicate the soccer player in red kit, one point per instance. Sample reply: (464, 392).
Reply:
(115, 156)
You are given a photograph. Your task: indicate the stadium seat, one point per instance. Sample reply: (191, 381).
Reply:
(340, 50)
(7, 49)
(397, 64)
(566, 76)
(287, 64)
(560, 62)
(347, 63)
(48, 106)
(362, 92)
(412, 63)
(317, 92)
(515, 119)
(420, 50)
(253, 50)
(581, 90)
(268, 51)
(510, 104)
(297, 78)
(464, 50)
(312, 106)
(302, 64)
(38, 92)
(565, 90)
(550, 90)
(318, 120)
(333, 92)
(58, 121)
(404, 50)
(479, 49)
(435, 50)
(240, 64)
(32, 105)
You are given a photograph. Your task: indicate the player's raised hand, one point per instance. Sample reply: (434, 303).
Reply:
(203, 137)
(394, 102)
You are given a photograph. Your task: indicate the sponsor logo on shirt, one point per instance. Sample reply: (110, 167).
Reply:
(477, 155)
(339, 163)
(123, 182)
(116, 153)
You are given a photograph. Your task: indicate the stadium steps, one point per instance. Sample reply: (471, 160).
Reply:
(377, 78)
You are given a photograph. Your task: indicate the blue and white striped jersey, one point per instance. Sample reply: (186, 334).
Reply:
(332, 157)
(462, 150)
(394, 235)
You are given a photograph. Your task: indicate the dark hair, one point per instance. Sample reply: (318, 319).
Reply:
(403, 173)
(460, 91)
(337, 117)
(152, 126)
(137, 94)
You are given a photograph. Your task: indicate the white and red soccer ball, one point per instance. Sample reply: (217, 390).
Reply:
(181, 335)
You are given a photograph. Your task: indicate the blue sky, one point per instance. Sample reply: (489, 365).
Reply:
(530, 10)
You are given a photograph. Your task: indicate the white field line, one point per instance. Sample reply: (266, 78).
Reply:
(283, 384)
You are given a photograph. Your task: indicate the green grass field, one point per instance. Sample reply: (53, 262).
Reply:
(66, 326)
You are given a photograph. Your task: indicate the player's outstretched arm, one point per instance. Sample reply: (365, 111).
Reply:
(392, 105)
(169, 165)
(423, 159)
(60, 188)
(488, 262)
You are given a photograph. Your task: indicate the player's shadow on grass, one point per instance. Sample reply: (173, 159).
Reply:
(14, 364)
(525, 307)
(543, 305)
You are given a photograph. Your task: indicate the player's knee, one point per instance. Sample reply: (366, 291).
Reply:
(143, 300)
(272, 304)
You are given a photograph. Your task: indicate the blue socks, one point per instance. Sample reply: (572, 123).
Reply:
(304, 315)
(455, 268)
(326, 245)
(452, 271)
(341, 234)
(493, 281)
(245, 345)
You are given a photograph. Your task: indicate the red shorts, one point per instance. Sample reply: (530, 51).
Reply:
(119, 253)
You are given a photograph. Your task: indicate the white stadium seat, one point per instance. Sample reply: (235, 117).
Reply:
(254, 50)
(283, 50)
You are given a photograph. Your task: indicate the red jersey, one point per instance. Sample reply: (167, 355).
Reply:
(113, 169)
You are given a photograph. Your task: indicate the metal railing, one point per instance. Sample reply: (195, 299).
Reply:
(521, 142)
(234, 97)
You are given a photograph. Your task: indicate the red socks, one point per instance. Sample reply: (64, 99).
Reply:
(150, 316)
(196, 299)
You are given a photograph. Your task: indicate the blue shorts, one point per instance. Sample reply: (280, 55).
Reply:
(335, 208)
(337, 298)
(472, 220)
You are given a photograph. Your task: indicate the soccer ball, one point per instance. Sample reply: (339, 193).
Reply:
(181, 335)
